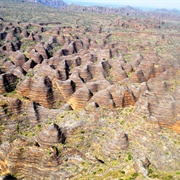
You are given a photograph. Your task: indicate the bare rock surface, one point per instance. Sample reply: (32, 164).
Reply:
(89, 96)
(51, 135)
(38, 90)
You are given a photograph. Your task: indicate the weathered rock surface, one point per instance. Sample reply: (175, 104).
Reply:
(67, 88)
(50, 136)
(10, 107)
(18, 58)
(80, 98)
(162, 100)
(38, 90)
(35, 56)
(118, 143)
(97, 98)
(7, 82)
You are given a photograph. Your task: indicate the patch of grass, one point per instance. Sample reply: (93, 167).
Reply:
(26, 44)
(114, 163)
(129, 74)
(30, 74)
(110, 78)
(56, 47)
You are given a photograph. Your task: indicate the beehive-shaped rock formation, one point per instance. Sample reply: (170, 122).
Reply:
(50, 136)
(138, 77)
(41, 50)
(38, 90)
(80, 98)
(35, 56)
(104, 99)
(7, 82)
(118, 142)
(66, 88)
(29, 65)
(18, 58)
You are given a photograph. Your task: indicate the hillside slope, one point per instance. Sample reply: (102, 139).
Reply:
(50, 3)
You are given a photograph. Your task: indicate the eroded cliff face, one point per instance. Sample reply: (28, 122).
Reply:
(78, 104)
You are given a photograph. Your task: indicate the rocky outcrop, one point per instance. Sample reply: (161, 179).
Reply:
(38, 90)
(51, 136)
(35, 56)
(138, 77)
(80, 98)
(25, 33)
(80, 66)
(30, 64)
(67, 88)
(42, 51)
(20, 156)
(141, 165)
(162, 100)
(119, 142)
(103, 99)
(10, 107)
(8, 47)
(18, 58)
(7, 82)
(43, 70)
(89, 97)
